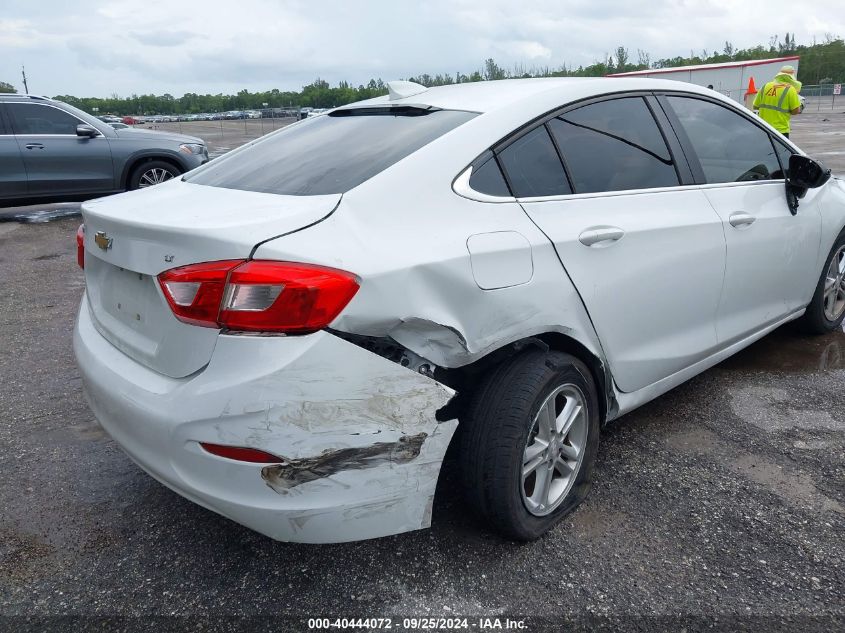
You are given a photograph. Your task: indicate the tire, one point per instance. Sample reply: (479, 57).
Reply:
(501, 430)
(825, 312)
(152, 170)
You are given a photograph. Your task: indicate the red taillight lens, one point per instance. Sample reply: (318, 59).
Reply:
(241, 454)
(194, 292)
(80, 246)
(285, 297)
(258, 295)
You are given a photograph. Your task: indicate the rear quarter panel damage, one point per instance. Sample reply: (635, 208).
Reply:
(359, 445)
(356, 435)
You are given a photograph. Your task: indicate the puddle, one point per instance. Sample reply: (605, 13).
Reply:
(772, 409)
(40, 213)
(591, 523)
(694, 439)
(788, 350)
(796, 488)
(793, 486)
(90, 430)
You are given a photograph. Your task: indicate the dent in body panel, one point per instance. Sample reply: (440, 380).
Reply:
(419, 286)
(432, 341)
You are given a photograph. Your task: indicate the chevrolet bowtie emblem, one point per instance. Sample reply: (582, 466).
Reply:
(102, 240)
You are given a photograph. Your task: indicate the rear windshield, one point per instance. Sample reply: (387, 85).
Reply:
(331, 153)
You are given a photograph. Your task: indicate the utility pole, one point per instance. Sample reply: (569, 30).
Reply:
(23, 74)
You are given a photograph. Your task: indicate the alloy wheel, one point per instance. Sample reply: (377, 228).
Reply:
(555, 450)
(834, 286)
(154, 176)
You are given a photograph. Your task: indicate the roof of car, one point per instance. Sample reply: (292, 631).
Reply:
(486, 96)
(17, 97)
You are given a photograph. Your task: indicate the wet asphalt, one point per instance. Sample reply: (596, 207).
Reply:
(719, 504)
(724, 498)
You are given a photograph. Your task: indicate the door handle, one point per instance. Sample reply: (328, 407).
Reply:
(741, 219)
(34, 146)
(600, 236)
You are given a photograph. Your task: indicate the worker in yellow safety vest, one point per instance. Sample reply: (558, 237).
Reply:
(778, 100)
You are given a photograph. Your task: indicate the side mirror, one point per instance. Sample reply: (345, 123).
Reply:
(805, 173)
(89, 131)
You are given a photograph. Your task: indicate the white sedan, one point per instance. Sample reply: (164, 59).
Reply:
(293, 334)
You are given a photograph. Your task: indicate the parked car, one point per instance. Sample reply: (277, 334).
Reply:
(119, 126)
(292, 334)
(51, 149)
(133, 120)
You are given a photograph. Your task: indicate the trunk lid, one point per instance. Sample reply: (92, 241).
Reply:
(164, 227)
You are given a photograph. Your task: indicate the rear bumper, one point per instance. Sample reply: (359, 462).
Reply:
(361, 447)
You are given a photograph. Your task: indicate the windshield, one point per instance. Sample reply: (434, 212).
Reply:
(331, 153)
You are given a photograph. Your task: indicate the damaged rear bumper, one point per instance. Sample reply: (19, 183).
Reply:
(360, 447)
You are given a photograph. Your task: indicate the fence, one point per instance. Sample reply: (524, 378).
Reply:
(222, 125)
(822, 98)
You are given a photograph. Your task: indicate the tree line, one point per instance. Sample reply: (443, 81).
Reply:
(821, 62)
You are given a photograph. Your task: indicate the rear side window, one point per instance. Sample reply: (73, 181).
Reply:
(729, 147)
(614, 145)
(330, 153)
(489, 179)
(533, 166)
(33, 118)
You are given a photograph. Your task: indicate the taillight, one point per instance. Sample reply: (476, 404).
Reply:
(80, 246)
(194, 292)
(258, 295)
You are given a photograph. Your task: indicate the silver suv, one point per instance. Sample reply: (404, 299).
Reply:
(50, 149)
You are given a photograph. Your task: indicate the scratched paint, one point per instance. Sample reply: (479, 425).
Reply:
(291, 473)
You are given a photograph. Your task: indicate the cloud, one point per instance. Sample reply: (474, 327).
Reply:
(163, 38)
(92, 47)
(18, 34)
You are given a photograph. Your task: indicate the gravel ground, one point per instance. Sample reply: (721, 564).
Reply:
(725, 498)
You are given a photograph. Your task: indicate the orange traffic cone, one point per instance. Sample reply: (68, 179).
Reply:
(750, 93)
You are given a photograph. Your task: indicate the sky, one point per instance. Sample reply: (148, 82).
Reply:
(92, 48)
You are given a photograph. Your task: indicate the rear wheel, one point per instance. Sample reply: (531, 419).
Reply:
(827, 308)
(529, 443)
(152, 173)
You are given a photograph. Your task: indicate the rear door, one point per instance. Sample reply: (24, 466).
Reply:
(12, 170)
(645, 250)
(771, 254)
(57, 160)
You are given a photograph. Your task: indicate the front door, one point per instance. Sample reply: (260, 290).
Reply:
(57, 160)
(771, 254)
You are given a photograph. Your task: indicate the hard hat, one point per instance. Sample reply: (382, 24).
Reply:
(789, 70)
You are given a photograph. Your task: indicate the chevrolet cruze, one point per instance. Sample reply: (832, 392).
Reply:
(293, 334)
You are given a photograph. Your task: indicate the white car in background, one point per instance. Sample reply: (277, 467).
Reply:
(292, 334)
